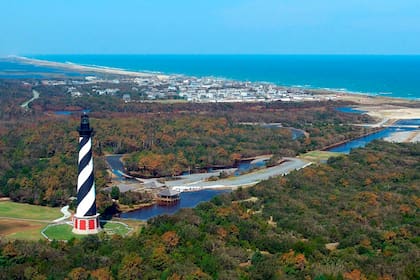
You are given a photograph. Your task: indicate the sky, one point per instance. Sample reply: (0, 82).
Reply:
(209, 27)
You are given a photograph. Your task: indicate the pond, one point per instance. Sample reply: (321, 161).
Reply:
(350, 110)
(188, 200)
(247, 166)
(68, 113)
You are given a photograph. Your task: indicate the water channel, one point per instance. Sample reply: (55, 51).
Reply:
(192, 199)
(188, 200)
(363, 141)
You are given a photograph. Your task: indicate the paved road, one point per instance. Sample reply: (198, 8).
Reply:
(66, 213)
(243, 180)
(35, 96)
(199, 180)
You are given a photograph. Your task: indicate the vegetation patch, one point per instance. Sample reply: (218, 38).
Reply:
(319, 156)
(26, 211)
(135, 225)
(64, 231)
(15, 229)
(355, 217)
(60, 232)
(117, 228)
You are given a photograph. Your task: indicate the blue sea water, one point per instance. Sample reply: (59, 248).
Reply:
(10, 69)
(393, 76)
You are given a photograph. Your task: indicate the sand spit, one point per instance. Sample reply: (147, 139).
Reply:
(404, 137)
(391, 112)
(90, 69)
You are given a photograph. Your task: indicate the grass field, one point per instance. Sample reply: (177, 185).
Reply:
(115, 228)
(61, 232)
(319, 156)
(10, 209)
(24, 221)
(136, 225)
(64, 231)
(14, 229)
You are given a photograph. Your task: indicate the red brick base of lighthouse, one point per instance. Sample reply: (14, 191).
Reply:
(86, 225)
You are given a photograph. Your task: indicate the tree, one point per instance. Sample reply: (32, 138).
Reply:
(115, 193)
(79, 273)
(171, 239)
(131, 267)
(101, 274)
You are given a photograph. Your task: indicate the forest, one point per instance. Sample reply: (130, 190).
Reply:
(356, 217)
(38, 149)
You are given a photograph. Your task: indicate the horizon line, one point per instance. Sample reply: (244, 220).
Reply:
(211, 54)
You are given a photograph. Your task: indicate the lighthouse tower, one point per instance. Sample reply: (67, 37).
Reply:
(86, 220)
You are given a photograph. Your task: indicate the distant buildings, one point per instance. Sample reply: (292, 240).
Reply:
(191, 89)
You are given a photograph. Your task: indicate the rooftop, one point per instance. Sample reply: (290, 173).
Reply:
(169, 192)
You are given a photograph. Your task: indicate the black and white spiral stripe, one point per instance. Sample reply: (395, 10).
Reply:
(86, 204)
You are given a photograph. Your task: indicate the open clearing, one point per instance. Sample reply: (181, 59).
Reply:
(16, 210)
(319, 156)
(64, 231)
(15, 229)
(61, 232)
(25, 221)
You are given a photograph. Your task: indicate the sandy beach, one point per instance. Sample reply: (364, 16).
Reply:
(387, 111)
(404, 137)
(380, 107)
(392, 112)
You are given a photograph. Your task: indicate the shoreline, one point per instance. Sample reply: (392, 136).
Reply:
(341, 93)
(376, 106)
(86, 68)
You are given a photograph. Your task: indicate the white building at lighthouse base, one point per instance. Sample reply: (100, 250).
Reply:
(86, 224)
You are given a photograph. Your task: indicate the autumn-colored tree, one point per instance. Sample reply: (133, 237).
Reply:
(355, 274)
(101, 274)
(160, 258)
(405, 209)
(131, 267)
(79, 273)
(171, 239)
(10, 250)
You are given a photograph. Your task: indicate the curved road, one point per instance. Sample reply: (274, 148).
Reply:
(25, 105)
(242, 180)
(199, 180)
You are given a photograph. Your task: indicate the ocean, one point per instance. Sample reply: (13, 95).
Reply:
(10, 69)
(387, 75)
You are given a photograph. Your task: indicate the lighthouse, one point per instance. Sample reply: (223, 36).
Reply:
(86, 220)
